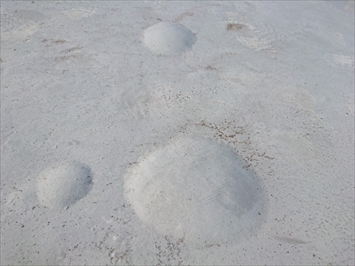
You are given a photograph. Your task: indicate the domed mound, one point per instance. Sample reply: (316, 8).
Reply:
(196, 189)
(63, 184)
(168, 38)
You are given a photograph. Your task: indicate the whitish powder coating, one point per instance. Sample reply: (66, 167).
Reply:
(196, 189)
(168, 38)
(63, 184)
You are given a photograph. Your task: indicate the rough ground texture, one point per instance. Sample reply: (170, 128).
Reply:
(249, 110)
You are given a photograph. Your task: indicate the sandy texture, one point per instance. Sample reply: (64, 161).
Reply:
(125, 89)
